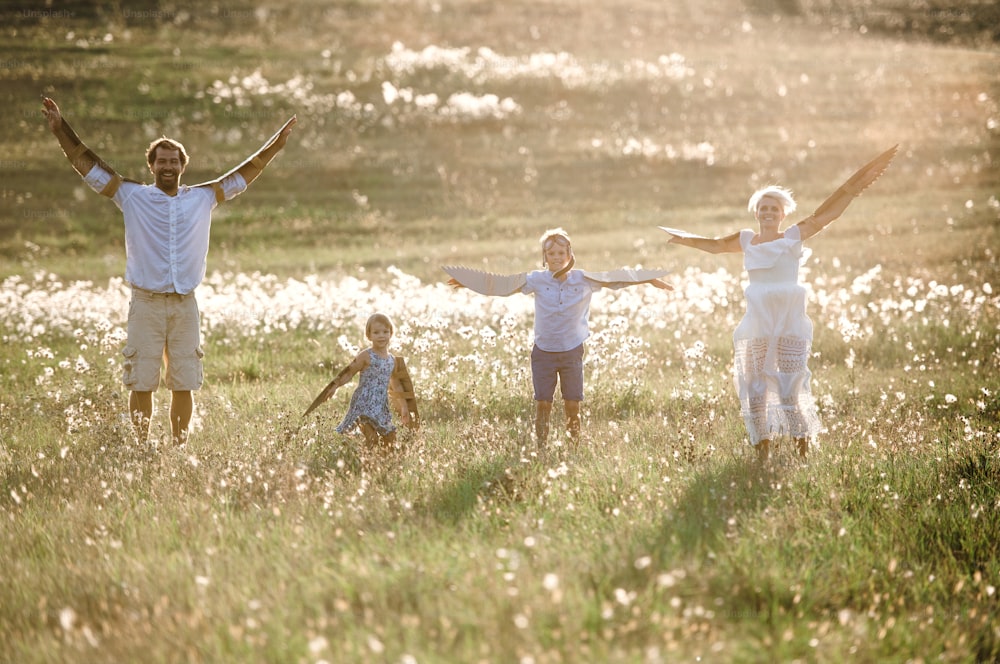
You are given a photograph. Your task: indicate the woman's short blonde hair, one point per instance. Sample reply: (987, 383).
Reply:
(774, 191)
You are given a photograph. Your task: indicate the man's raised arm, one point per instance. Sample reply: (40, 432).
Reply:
(253, 166)
(82, 157)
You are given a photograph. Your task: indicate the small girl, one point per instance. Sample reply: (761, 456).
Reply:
(383, 377)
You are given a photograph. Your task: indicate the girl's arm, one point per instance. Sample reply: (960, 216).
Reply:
(814, 224)
(343, 378)
(728, 244)
(358, 364)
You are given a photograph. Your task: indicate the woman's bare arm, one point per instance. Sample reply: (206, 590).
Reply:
(727, 244)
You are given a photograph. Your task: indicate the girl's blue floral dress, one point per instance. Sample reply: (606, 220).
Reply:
(371, 400)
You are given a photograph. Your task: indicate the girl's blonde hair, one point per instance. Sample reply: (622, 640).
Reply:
(378, 318)
(774, 191)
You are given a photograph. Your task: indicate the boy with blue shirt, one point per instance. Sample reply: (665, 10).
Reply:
(562, 317)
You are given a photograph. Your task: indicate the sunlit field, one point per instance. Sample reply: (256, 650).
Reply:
(455, 133)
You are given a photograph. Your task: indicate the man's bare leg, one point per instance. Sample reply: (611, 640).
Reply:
(181, 409)
(140, 410)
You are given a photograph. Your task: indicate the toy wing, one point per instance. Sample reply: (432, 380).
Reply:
(404, 398)
(267, 144)
(323, 396)
(625, 275)
(680, 233)
(487, 283)
(861, 179)
(870, 171)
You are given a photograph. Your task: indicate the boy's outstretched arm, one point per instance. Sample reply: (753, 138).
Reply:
(485, 283)
(623, 277)
(660, 283)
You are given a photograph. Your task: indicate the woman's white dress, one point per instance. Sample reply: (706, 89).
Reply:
(773, 342)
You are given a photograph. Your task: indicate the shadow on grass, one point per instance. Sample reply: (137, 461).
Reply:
(493, 480)
(694, 531)
(714, 497)
(693, 535)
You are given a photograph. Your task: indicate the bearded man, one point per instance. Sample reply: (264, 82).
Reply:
(166, 245)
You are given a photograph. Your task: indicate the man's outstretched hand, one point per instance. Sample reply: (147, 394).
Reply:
(286, 131)
(51, 112)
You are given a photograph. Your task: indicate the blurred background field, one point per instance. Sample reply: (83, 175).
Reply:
(455, 132)
(446, 131)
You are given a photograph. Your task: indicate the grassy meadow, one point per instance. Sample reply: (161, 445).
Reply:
(453, 133)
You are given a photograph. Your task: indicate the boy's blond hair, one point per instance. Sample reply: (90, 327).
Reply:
(561, 237)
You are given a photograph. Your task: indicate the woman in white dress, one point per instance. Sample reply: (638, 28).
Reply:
(773, 341)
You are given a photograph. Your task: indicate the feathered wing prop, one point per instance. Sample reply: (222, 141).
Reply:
(625, 276)
(487, 283)
(323, 396)
(680, 233)
(857, 183)
(405, 398)
(254, 158)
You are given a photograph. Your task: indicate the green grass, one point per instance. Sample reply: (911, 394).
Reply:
(269, 538)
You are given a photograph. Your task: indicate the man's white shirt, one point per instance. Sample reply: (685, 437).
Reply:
(166, 237)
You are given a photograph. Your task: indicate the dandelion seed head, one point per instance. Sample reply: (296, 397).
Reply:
(67, 619)
(375, 644)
